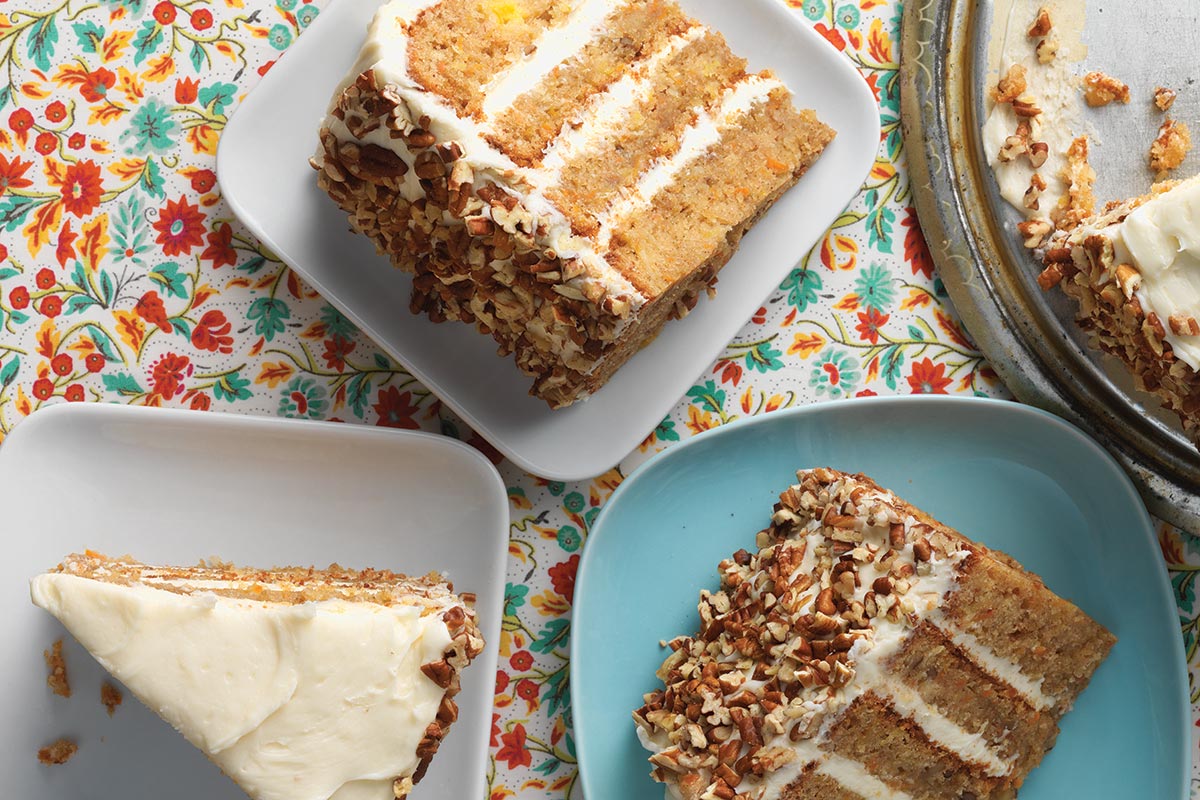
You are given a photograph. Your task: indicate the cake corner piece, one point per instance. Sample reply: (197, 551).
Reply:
(865, 650)
(542, 184)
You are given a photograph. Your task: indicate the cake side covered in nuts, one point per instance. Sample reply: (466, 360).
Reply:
(865, 650)
(300, 684)
(567, 177)
(1134, 271)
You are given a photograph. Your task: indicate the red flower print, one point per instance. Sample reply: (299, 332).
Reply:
(865, 393)
(169, 373)
(835, 38)
(203, 180)
(51, 306)
(201, 19)
(200, 402)
(3, 252)
(164, 13)
(56, 111)
(869, 323)
(501, 681)
(20, 120)
(76, 141)
(220, 247)
(495, 729)
(46, 143)
(81, 189)
(94, 362)
(521, 660)
(19, 297)
(212, 333)
(395, 409)
(62, 364)
(562, 576)
(43, 389)
(185, 90)
(180, 227)
(336, 350)
(150, 308)
(527, 690)
(74, 393)
(11, 173)
(514, 751)
(44, 278)
(927, 378)
(97, 85)
(266, 67)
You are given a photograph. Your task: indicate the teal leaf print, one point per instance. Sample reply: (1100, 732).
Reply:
(90, 35)
(218, 96)
(181, 327)
(892, 361)
(42, 38)
(169, 278)
(198, 56)
(336, 323)
(802, 286)
(103, 343)
(554, 635)
(253, 265)
(150, 130)
(123, 384)
(269, 315)
(916, 333)
(548, 766)
(149, 37)
(5, 93)
(232, 387)
(557, 691)
(79, 303)
(9, 373)
(14, 209)
(359, 393)
(107, 290)
(514, 598)
(708, 396)
(130, 230)
(666, 431)
(764, 358)
(151, 179)
(8, 272)
(1185, 587)
(382, 362)
(879, 228)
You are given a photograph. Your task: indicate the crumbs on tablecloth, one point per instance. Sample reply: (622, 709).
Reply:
(57, 679)
(1164, 98)
(111, 697)
(1170, 148)
(58, 753)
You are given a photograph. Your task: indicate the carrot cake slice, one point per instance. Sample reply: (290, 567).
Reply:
(1134, 270)
(300, 684)
(566, 175)
(865, 650)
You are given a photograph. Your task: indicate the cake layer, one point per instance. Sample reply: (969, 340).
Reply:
(701, 213)
(499, 32)
(829, 658)
(689, 83)
(299, 684)
(631, 35)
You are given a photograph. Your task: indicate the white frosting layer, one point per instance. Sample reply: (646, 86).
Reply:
(317, 701)
(1161, 240)
(855, 777)
(1005, 670)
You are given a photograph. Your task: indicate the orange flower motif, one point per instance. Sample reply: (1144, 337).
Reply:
(150, 308)
(834, 37)
(97, 85)
(562, 576)
(81, 188)
(168, 375)
(220, 245)
(180, 227)
(395, 409)
(928, 378)
(186, 90)
(513, 751)
(212, 333)
(12, 172)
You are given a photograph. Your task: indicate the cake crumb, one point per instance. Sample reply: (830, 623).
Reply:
(1011, 86)
(111, 697)
(1170, 148)
(1100, 89)
(1041, 24)
(57, 679)
(1164, 98)
(58, 753)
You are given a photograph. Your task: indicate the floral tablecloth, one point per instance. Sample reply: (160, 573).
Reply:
(125, 278)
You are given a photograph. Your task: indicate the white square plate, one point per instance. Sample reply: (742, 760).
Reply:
(177, 486)
(263, 168)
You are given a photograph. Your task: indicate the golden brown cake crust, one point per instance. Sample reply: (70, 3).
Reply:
(59, 752)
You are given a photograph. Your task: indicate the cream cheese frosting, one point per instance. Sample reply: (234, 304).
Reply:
(1161, 240)
(314, 701)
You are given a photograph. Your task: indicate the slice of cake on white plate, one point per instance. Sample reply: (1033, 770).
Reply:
(300, 684)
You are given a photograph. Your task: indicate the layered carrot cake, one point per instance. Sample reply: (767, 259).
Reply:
(1134, 270)
(864, 650)
(299, 684)
(566, 175)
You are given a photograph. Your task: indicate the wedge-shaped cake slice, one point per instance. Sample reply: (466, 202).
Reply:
(1134, 271)
(866, 651)
(566, 175)
(299, 684)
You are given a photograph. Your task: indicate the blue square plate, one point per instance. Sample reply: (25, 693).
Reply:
(1010, 476)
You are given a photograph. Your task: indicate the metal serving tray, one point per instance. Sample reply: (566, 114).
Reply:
(1029, 335)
